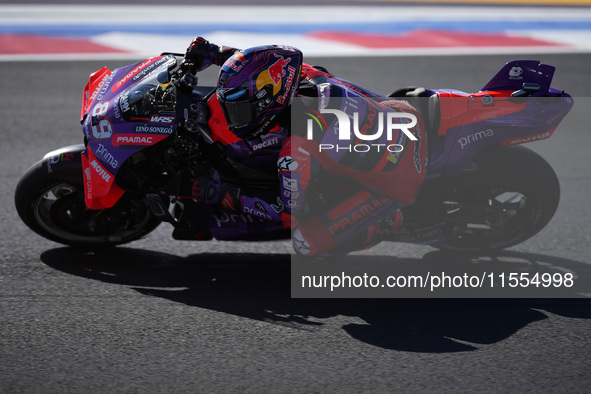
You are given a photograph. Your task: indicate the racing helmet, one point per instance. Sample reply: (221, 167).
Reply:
(256, 86)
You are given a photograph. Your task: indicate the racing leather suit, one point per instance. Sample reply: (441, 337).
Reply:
(367, 205)
(364, 192)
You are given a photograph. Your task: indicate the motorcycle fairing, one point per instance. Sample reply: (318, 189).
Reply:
(493, 100)
(498, 119)
(100, 189)
(95, 82)
(458, 108)
(111, 138)
(230, 225)
(516, 106)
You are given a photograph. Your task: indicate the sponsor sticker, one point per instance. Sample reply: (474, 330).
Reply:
(136, 139)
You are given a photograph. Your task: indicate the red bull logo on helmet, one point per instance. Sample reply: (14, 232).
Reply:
(288, 83)
(277, 69)
(236, 62)
(274, 75)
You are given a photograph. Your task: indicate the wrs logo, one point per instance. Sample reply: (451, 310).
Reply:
(386, 123)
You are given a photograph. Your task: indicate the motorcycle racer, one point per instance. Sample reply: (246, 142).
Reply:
(359, 194)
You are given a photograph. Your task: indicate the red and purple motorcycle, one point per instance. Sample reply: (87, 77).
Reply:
(150, 130)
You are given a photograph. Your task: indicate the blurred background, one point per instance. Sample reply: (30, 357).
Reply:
(124, 29)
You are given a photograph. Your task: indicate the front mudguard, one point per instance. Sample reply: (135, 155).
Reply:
(60, 164)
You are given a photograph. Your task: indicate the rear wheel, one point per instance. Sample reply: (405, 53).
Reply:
(511, 196)
(52, 205)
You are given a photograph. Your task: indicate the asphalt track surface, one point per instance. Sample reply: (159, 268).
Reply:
(164, 316)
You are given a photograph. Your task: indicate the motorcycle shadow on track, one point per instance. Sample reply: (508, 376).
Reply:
(256, 286)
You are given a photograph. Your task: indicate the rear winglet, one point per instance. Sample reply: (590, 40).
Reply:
(517, 72)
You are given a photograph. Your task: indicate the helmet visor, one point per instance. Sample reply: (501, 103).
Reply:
(241, 110)
(239, 113)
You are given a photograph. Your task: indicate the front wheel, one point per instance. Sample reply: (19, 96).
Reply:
(510, 197)
(51, 203)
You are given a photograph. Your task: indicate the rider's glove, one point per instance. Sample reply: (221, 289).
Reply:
(203, 54)
(210, 189)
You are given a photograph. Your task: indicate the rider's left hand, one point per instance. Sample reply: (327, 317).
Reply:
(203, 53)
